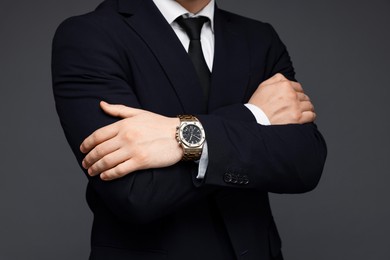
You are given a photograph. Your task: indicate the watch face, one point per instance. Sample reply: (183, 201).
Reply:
(192, 135)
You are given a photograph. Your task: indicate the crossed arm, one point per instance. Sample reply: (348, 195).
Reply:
(139, 146)
(144, 140)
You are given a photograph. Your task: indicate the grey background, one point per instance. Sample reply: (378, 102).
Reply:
(341, 55)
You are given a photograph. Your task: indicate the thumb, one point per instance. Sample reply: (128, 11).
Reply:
(119, 110)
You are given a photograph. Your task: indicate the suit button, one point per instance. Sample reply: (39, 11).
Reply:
(240, 179)
(245, 180)
(227, 177)
(234, 178)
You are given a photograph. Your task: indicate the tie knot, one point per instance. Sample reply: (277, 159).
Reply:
(192, 26)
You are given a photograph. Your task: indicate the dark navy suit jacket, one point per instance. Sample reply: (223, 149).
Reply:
(126, 53)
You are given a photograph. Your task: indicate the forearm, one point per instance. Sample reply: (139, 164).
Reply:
(83, 76)
(237, 145)
(140, 196)
(283, 159)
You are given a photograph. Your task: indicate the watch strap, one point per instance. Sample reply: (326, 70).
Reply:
(192, 154)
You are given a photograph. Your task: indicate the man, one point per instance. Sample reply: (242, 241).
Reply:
(163, 186)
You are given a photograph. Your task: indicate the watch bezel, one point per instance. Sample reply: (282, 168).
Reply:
(185, 142)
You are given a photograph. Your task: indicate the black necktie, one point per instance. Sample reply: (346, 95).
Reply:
(193, 27)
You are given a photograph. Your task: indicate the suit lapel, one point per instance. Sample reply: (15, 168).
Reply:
(147, 21)
(231, 59)
(231, 67)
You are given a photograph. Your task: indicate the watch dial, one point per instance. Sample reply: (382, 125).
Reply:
(192, 134)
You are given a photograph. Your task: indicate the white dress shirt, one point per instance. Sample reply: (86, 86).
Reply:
(171, 10)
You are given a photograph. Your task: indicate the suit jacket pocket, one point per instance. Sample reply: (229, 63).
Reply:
(106, 252)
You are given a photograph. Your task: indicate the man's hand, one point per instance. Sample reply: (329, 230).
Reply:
(283, 101)
(142, 140)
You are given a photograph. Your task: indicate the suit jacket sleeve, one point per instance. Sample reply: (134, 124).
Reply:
(87, 67)
(280, 158)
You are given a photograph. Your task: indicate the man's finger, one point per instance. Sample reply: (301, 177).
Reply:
(303, 96)
(119, 110)
(98, 137)
(296, 86)
(100, 151)
(120, 170)
(308, 117)
(108, 162)
(306, 106)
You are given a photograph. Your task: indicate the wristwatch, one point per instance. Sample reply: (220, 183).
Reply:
(191, 136)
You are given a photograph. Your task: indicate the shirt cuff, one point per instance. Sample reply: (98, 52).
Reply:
(203, 162)
(261, 117)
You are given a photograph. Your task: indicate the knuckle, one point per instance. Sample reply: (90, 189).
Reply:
(121, 108)
(287, 86)
(93, 169)
(129, 136)
(104, 162)
(279, 76)
(95, 136)
(291, 95)
(87, 160)
(142, 158)
(296, 116)
(98, 152)
(284, 84)
(119, 170)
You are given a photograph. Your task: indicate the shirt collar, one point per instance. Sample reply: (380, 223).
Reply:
(171, 10)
